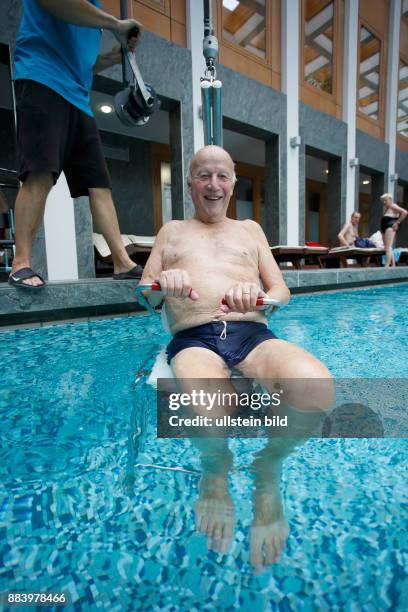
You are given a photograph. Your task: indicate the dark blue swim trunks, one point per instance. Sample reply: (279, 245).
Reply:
(231, 340)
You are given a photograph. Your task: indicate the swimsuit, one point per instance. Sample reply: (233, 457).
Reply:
(387, 221)
(231, 340)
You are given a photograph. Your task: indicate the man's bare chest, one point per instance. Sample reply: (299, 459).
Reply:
(210, 247)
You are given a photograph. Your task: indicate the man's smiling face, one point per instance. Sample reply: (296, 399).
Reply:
(211, 183)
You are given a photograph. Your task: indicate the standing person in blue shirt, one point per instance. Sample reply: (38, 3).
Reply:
(56, 53)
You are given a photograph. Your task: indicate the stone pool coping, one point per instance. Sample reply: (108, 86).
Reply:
(62, 300)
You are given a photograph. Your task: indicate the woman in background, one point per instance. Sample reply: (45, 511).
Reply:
(393, 216)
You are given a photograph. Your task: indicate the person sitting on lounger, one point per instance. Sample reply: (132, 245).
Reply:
(198, 262)
(349, 232)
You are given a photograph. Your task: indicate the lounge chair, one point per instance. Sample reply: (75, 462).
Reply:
(143, 244)
(339, 257)
(299, 257)
(137, 247)
(403, 260)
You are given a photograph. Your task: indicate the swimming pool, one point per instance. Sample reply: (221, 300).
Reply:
(86, 507)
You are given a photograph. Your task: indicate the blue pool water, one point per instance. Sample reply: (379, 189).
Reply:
(87, 508)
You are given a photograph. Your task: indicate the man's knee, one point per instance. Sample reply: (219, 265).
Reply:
(309, 387)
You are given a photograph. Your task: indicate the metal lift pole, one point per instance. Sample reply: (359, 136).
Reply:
(210, 86)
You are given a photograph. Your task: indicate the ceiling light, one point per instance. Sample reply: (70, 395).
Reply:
(231, 5)
(106, 108)
(366, 182)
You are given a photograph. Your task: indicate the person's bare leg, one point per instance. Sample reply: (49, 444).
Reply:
(270, 528)
(388, 238)
(214, 509)
(106, 221)
(28, 214)
(307, 386)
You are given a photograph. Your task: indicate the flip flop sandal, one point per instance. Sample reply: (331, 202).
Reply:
(16, 279)
(133, 274)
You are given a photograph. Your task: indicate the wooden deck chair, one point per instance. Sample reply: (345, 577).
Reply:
(339, 257)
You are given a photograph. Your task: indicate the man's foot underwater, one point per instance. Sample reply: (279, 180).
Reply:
(215, 513)
(269, 530)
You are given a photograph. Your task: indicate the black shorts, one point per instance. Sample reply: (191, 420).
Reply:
(55, 136)
(387, 222)
(231, 340)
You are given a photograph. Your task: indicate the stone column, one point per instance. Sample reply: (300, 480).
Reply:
(195, 27)
(351, 41)
(392, 88)
(290, 11)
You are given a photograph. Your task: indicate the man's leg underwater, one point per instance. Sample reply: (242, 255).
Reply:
(106, 220)
(28, 214)
(214, 509)
(308, 388)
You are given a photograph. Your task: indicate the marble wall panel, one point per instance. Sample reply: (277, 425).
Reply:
(83, 229)
(322, 131)
(372, 153)
(401, 165)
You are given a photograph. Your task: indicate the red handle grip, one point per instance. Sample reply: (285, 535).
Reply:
(156, 287)
(259, 301)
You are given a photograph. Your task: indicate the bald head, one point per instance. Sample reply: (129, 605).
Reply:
(208, 154)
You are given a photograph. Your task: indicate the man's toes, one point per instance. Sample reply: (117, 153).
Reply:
(256, 554)
(271, 551)
(201, 522)
(258, 569)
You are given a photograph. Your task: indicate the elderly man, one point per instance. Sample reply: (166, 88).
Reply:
(349, 231)
(198, 262)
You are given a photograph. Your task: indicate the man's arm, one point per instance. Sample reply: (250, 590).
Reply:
(341, 235)
(83, 13)
(154, 266)
(269, 271)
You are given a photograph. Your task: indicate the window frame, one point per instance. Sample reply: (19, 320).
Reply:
(380, 122)
(333, 97)
(163, 7)
(265, 62)
(404, 139)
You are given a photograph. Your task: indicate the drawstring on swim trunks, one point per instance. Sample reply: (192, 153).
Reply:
(223, 335)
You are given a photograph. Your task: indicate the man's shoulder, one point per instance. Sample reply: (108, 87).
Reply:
(251, 226)
(170, 228)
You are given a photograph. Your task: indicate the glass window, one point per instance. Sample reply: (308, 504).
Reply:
(402, 117)
(165, 176)
(245, 198)
(318, 53)
(243, 23)
(405, 8)
(369, 83)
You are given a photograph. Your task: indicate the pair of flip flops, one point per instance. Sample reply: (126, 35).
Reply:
(16, 279)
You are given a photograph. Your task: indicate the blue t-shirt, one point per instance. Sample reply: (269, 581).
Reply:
(57, 54)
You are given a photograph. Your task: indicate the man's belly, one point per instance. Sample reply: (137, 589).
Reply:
(211, 280)
(186, 313)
